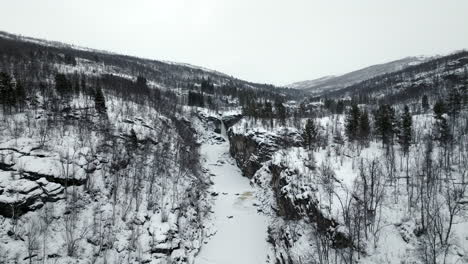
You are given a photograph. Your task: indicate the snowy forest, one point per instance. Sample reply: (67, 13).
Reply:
(108, 158)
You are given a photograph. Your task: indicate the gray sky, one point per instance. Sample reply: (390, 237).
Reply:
(268, 41)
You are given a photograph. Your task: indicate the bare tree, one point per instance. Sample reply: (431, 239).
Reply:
(30, 234)
(46, 217)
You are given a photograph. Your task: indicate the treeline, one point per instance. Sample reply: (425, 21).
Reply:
(390, 126)
(266, 109)
(255, 102)
(12, 93)
(422, 169)
(33, 63)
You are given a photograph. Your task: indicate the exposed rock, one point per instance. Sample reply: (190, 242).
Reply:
(214, 123)
(51, 168)
(253, 148)
(19, 196)
(294, 201)
(230, 120)
(297, 201)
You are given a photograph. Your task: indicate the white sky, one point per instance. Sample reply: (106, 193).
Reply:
(271, 41)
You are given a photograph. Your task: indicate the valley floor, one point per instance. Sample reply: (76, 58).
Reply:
(239, 232)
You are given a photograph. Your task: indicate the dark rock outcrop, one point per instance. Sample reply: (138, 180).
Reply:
(230, 120)
(19, 196)
(251, 149)
(298, 202)
(254, 149)
(214, 123)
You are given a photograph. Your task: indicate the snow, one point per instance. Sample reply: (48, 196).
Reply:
(49, 166)
(241, 235)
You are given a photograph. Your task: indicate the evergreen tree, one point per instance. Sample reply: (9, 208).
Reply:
(439, 109)
(76, 85)
(444, 135)
(62, 85)
(20, 95)
(310, 133)
(302, 109)
(196, 99)
(83, 84)
(70, 59)
(267, 110)
(141, 82)
(207, 86)
(280, 111)
(352, 122)
(7, 95)
(133, 140)
(340, 107)
(385, 124)
(99, 101)
(425, 103)
(364, 127)
(454, 103)
(405, 130)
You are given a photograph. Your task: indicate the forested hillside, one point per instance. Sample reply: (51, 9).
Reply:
(375, 172)
(99, 154)
(106, 158)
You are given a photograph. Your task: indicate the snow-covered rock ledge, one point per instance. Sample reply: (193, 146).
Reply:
(250, 148)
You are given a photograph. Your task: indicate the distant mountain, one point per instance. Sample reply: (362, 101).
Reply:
(330, 83)
(312, 83)
(434, 77)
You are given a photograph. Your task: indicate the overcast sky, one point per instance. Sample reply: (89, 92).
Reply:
(269, 41)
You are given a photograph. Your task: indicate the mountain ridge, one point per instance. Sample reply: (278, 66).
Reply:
(330, 82)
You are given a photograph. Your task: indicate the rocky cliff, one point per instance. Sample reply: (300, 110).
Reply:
(254, 147)
(290, 185)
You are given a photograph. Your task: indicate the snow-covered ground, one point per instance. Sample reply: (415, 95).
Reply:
(239, 232)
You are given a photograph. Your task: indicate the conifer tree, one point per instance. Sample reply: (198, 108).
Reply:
(7, 95)
(133, 140)
(20, 95)
(340, 107)
(267, 110)
(352, 122)
(207, 86)
(99, 101)
(405, 130)
(454, 103)
(425, 103)
(364, 127)
(439, 109)
(83, 84)
(385, 124)
(444, 135)
(310, 133)
(196, 99)
(62, 85)
(280, 111)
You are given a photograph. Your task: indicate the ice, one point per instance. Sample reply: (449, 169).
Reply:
(241, 231)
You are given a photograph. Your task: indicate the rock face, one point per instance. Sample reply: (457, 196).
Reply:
(20, 195)
(296, 201)
(230, 120)
(293, 192)
(253, 148)
(215, 122)
(31, 176)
